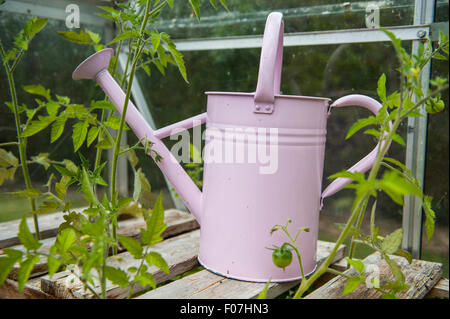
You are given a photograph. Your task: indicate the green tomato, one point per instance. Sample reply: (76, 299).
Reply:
(282, 257)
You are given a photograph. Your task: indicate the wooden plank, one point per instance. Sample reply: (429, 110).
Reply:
(440, 290)
(48, 225)
(420, 275)
(180, 253)
(32, 290)
(177, 222)
(207, 285)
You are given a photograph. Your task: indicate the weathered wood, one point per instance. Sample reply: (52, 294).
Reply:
(32, 290)
(48, 225)
(440, 290)
(205, 284)
(420, 275)
(180, 253)
(177, 222)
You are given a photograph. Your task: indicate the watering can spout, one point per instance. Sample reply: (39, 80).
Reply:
(96, 67)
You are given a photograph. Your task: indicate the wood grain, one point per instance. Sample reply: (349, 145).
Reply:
(205, 284)
(177, 222)
(440, 290)
(421, 276)
(180, 253)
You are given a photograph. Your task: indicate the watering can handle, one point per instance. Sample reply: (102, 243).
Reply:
(367, 162)
(269, 76)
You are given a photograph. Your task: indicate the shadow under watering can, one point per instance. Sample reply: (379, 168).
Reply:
(239, 205)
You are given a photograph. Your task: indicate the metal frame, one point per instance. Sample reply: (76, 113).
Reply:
(416, 147)
(416, 32)
(417, 127)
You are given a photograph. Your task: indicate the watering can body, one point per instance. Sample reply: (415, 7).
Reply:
(245, 192)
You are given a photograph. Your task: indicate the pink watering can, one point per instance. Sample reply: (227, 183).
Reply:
(242, 199)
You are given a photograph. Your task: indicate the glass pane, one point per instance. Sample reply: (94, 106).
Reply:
(436, 168)
(327, 71)
(248, 17)
(50, 62)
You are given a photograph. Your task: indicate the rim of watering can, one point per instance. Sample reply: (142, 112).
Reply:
(302, 97)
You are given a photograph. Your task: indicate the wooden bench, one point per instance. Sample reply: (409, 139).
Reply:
(179, 248)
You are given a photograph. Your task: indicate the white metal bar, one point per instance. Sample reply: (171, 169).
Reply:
(416, 147)
(305, 38)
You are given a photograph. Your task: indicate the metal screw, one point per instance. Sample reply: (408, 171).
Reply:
(421, 34)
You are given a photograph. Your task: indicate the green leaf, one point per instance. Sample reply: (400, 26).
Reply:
(7, 263)
(263, 293)
(356, 176)
(396, 162)
(65, 239)
(105, 143)
(373, 132)
(352, 283)
(429, 217)
(154, 258)
(80, 130)
(146, 279)
(123, 201)
(114, 123)
(117, 276)
(397, 138)
(34, 26)
(25, 236)
(31, 192)
(61, 187)
(125, 35)
(86, 187)
(52, 108)
(170, 2)
(46, 207)
(405, 254)
(224, 4)
(103, 105)
(42, 159)
(132, 158)
(53, 265)
(195, 4)
(360, 124)
(37, 90)
(133, 246)
(92, 135)
(80, 38)
(392, 242)
(38, 125)
(396, 186)
(141, 184)
(155, 224)
(177, 56)
(357, 264)
(7, 159)
(95, 37)
(71, 166)
(156, 39)
(381, 88)
(213, 3)
(57, 128)
(395, 269)
(25, 270)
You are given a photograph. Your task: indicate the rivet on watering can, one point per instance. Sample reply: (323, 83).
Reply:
(268, 107)
(421, 33)
(257, 107)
